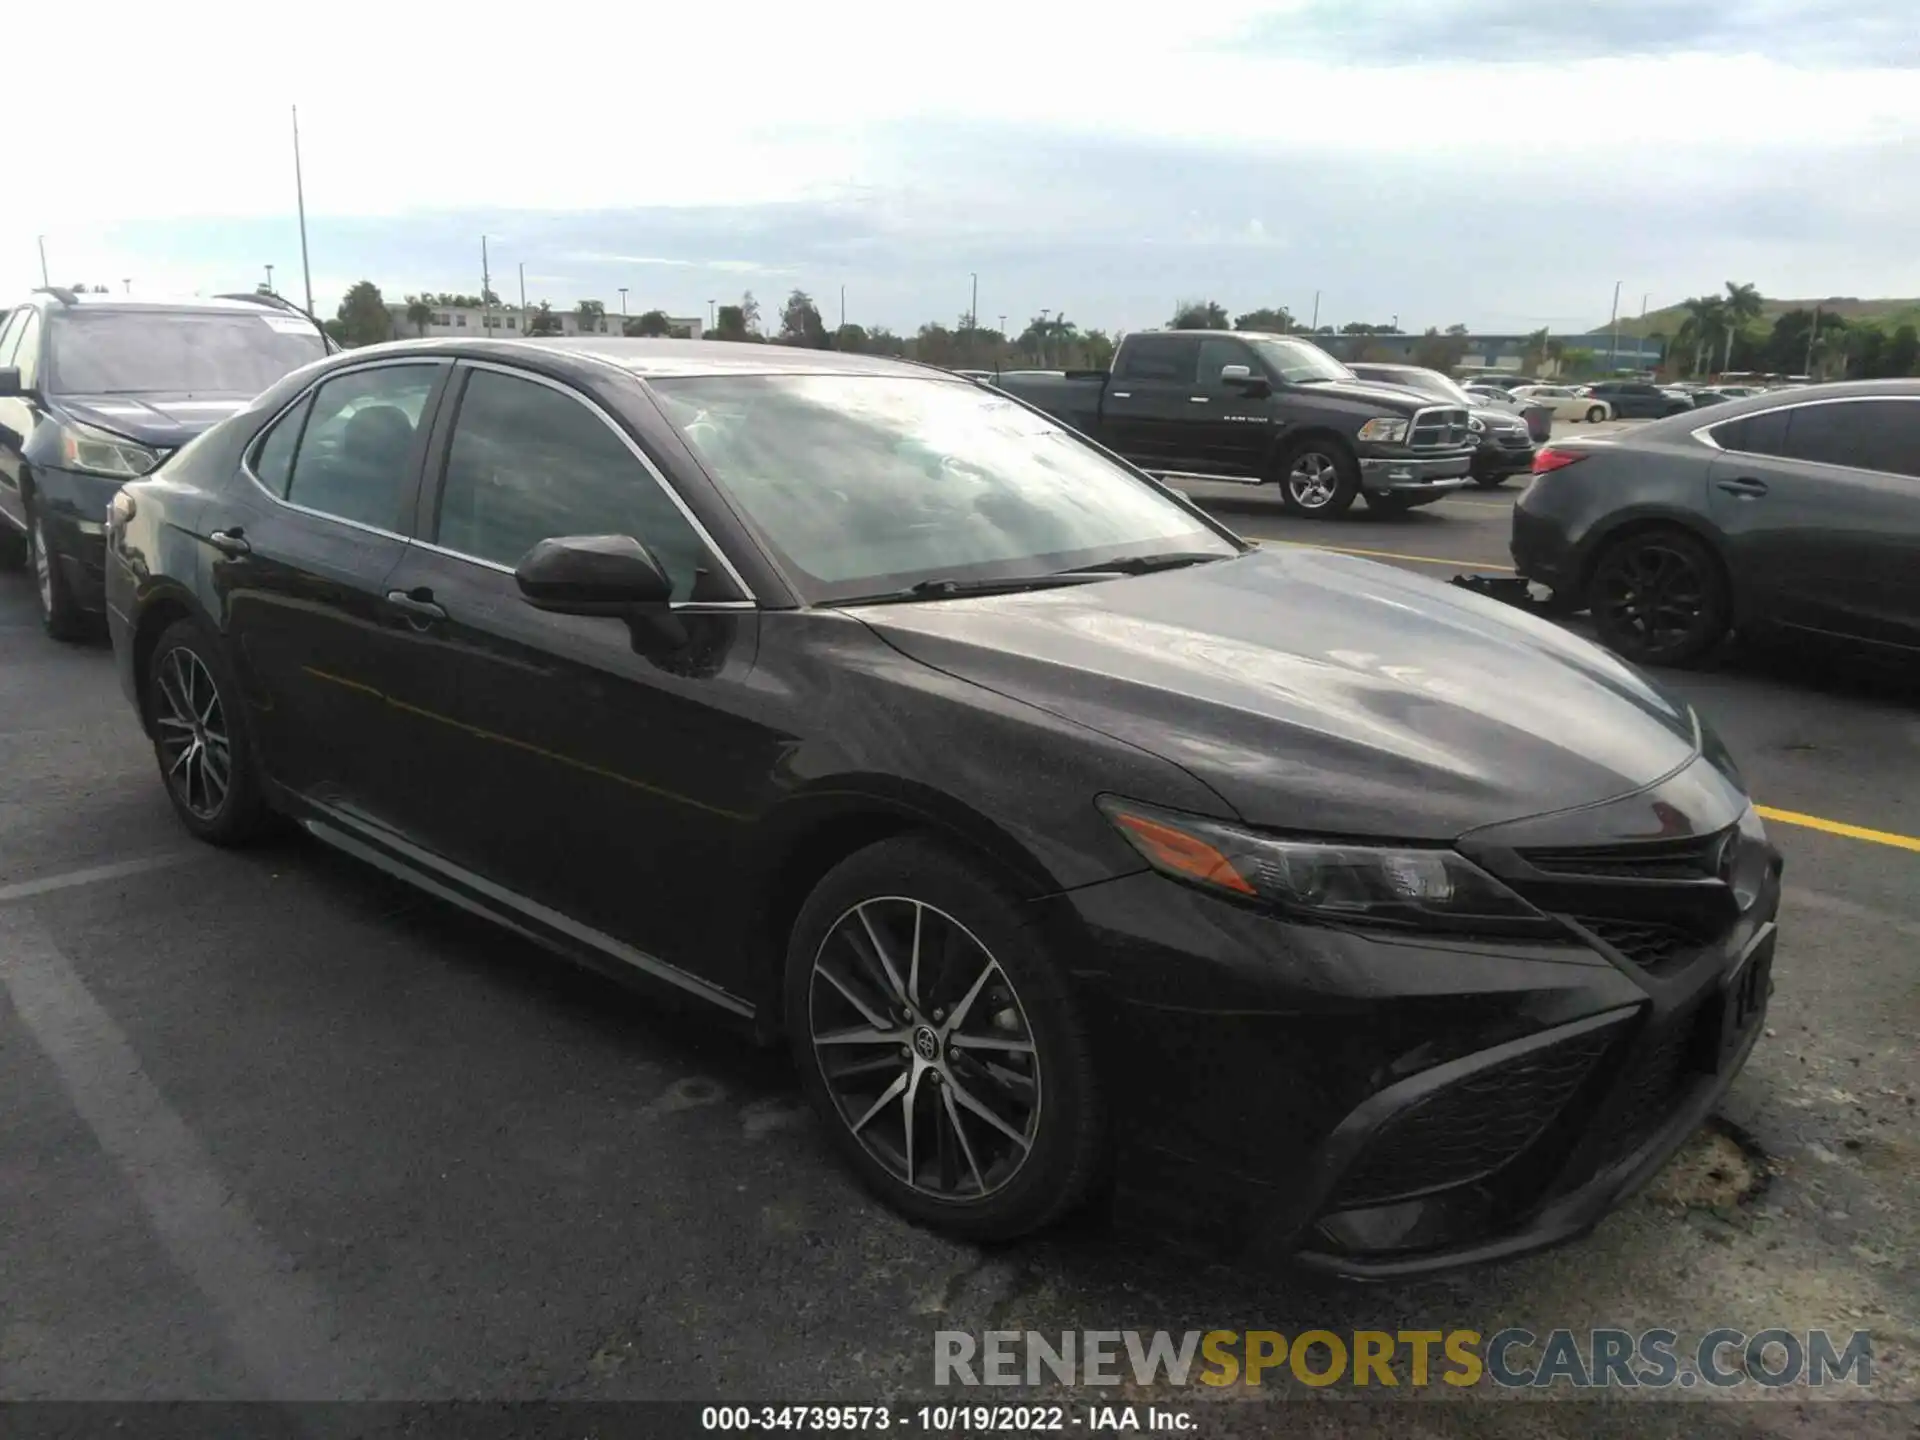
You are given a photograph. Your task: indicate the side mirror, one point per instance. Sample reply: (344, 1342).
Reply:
(1242, 378)
(593, 575)
(9, 382)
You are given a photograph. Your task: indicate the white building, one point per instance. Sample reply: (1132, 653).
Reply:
(506, 322)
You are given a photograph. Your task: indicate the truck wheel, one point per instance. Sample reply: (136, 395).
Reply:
(1491, 482)
(1318, 478)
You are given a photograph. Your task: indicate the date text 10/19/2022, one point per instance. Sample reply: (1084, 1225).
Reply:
(949, 1419)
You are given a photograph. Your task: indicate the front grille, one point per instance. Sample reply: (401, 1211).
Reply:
(1654, 945)
(1694, 858)
(1439, 428)
(1467, 1130)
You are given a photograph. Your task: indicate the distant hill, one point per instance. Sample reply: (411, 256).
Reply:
(1890, 313)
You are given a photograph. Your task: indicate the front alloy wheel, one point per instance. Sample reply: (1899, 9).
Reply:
(60, 616)
(199, 737)
(939, 1040)
(925, 1048)
(1318, 479)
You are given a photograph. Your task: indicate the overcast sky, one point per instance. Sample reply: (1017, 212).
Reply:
(1496, 162)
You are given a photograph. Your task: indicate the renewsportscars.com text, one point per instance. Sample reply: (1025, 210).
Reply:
(1510, 1358)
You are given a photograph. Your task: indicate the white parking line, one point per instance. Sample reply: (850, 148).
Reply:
(277, 1321)
(46, 884)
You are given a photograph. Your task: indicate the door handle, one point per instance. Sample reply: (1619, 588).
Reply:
(1745, 487)
(1120, 394)
(417, 602)
(232, 543)
(1196, 399)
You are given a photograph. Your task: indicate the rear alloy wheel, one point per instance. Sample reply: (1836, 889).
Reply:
(1319, 479)
(1659, 597)
(60, 616)
(199, 740)
(1595, 415)
(936, 1038)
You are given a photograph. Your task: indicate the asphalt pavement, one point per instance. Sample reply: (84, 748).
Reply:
(279, 1127)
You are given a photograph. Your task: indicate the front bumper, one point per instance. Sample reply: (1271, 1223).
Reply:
(1495, 458)
(1374, 1107)
(1413, 475)
(79, 547)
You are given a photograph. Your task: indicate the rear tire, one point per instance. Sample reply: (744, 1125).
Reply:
(194, 713)
(1319, 479)
(1596, 415)
(1659, 597)
(902, 1099)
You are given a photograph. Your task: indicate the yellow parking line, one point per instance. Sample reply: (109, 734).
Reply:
(1394, 555)
(1838, 827)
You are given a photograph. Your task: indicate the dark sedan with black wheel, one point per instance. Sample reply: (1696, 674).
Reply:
(1073, 846)
(1798, 511)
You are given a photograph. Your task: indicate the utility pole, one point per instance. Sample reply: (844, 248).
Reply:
(1314, 324)
(843, 307)
(1613, 352)
(973, 305)
(523, 297)
(300, 198)
(486, 289)
(709, 314)
(1640, 340)
(43, 261)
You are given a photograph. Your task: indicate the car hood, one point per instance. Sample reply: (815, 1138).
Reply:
(1397, 397)
(1494, 418)
(1320, 693)
(164, 421)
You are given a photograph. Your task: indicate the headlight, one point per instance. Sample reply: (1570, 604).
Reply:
(1476, 424)
(1389, 429)
(1400, 887)
(95, 452)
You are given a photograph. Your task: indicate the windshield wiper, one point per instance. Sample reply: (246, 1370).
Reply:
(1145, 564)
(949, 589)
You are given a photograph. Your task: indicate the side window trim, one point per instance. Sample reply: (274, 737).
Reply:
(427, 510)
(435, 400)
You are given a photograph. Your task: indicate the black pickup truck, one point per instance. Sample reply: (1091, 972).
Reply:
(1253, 408)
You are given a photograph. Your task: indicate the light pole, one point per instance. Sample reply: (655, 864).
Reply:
(1640, 340)
(127, 285)
(269, 279)
(709, 314)
(300, 198)
(1314, 324)
(43, 260)
(1613, 352)
(486, 289)
(623, 302)
(523, 296)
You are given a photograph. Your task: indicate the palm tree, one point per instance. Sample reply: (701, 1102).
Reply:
(419, 313)
(1702, 329)
(1742, 307)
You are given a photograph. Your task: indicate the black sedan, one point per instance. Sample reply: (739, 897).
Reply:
(1798, 510)
(1066, 838)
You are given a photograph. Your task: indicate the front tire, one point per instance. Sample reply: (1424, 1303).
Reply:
(60, 615)
(193, 713)
(1319, 479)
(938, 1040)
(1596, 415)
(1659, 597)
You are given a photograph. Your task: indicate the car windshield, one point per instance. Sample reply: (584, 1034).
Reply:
(1299, 361)
(136, 352)
(866, 484)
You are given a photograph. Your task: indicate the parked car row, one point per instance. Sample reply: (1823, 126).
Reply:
(1504, 429)
(96, 390)
(1068, 840)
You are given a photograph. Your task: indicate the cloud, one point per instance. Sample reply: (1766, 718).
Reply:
(1805, 34)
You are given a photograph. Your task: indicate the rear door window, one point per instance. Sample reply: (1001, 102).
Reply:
(1857, 434)
(1167, 359)
(359, 451)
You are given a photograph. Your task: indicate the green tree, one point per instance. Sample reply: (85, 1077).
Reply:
(1534, 353)
(653, 322)
(1439, 352)
(1268, 320)
(850, 338)
(1096, 349)
(935, 344)
(365, 316)
(1575, 364)
(1903, 352)
(336, 330)
(1200, 315)
(730, 323)
(1361, 327)
(419, 314)
(750, 313)
(882, 341)
(543, 321)
(800, 323)
(1743, 305)
(591, 316)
